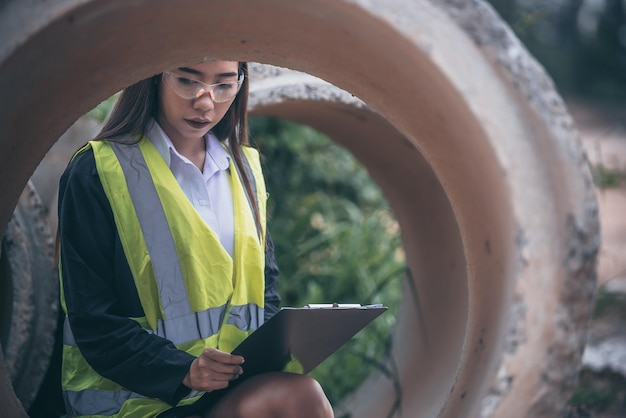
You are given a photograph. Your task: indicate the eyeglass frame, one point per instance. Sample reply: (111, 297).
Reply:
(208, 88)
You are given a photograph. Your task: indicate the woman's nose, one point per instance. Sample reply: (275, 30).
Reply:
(204, 102)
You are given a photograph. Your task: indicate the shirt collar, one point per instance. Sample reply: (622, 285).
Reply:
(215, 151)
(160, 140)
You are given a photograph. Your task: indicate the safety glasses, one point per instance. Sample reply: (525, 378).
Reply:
(188, 88)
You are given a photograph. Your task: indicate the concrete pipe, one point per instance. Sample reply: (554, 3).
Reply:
(29, 285)
(464, 132)
(46, 177)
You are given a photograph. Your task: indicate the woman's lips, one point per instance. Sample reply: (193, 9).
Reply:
(197, 124)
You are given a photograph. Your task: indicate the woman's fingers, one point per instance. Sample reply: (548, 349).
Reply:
(221, 357)
(221, 363)
(213, 370)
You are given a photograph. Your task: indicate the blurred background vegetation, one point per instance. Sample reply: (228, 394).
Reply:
(581, 43)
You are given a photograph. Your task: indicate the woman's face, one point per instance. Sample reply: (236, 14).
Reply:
(185, 119)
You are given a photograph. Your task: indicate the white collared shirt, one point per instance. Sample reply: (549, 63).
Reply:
(208, 191)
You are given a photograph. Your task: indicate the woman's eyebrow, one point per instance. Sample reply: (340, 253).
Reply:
(196, 72)
(189, 70)
(231, 74)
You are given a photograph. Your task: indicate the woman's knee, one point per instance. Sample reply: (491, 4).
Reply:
(288, 395)
(303, 396)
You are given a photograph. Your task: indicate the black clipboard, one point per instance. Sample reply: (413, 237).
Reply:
(309, 335)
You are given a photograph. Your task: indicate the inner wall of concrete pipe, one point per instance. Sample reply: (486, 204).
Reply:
(436, 158)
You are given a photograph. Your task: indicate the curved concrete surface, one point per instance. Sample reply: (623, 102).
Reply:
(466, 135)
(30, 294)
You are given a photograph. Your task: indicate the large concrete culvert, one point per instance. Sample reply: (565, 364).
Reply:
(466, 136)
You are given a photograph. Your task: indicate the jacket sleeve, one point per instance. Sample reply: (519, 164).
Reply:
(272, 297)
(101, 297)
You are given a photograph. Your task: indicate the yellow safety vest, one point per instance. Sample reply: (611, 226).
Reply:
(207, 298)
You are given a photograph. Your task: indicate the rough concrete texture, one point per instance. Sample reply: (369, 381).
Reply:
(462, 129)
(604, 138)
(559, 370)
(29, 275)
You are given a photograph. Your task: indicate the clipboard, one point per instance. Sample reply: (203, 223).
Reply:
(308, 335)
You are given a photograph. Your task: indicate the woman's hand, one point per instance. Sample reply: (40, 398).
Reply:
(213, 370)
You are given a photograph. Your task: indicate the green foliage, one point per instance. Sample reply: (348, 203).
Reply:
(605, 178)
(336, 240)
(608, 302)
(600, 393)
(592, 398)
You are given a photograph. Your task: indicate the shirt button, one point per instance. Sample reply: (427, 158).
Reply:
(202, 202)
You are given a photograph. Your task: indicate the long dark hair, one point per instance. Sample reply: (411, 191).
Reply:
(138, 105)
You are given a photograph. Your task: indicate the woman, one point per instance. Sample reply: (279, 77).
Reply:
(165, 261)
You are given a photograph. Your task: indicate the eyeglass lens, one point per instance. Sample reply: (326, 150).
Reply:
(193, 89)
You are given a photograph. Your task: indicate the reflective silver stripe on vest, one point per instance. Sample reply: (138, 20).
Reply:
(90, 402)
(246, 317)
(198, 325)
(68, 335)
(155, 229)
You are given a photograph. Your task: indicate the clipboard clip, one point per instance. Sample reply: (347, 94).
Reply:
(341, 306)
